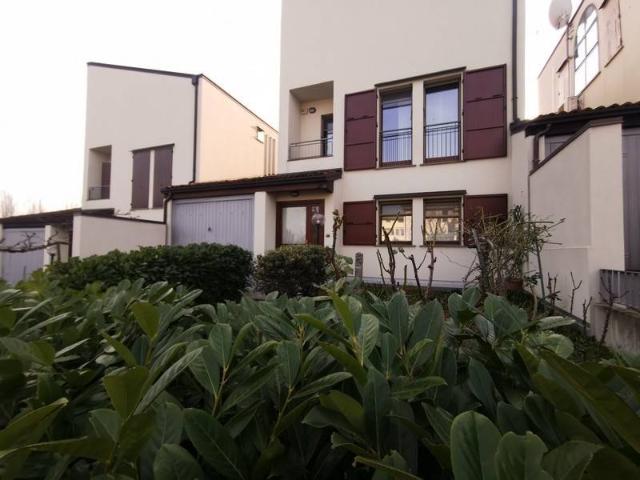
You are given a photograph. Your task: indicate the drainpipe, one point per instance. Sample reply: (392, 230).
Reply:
(514, 61)
(195, 81)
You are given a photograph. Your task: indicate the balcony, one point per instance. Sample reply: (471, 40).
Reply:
(99, 193)
(311, 149)
(396, 147)
(442, 142)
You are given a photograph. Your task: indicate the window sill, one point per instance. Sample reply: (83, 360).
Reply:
(397, 244)
(440, 160)
(408, 163)
(446, 245)
(308, 158)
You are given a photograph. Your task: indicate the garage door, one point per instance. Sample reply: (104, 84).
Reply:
(18, 266)
(225, 220)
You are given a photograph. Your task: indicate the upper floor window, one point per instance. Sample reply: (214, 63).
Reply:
(442, 122)
(146, 191)
(395, 220)
(260, 134)
(327, 135)
(586, 58)
(395, 138)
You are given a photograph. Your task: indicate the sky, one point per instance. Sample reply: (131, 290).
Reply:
(46, 44)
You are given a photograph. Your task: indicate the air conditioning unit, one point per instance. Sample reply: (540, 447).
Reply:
(571, 104)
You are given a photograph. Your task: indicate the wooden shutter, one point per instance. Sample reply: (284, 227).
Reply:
(161, 172)
(360, 130)
(485, 113)
(140, 179)
(489, 206)
(359, 223)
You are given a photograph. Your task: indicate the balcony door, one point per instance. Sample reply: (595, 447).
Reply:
(296, 224)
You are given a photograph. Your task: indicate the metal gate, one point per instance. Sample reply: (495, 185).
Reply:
(225, 220)
(631, 189)
(18, 266)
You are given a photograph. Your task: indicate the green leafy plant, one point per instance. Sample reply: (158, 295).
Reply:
(294, 269)
(141, 381)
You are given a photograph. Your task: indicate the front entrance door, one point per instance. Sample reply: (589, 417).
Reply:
(631, 189)
(300, 223)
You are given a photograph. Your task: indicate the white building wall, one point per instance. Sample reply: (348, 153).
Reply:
(100, 235)
(130, 110)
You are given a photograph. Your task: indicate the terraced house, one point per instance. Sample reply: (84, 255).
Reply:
(388, 112)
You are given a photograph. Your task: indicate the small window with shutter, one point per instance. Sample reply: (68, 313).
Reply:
(479, 208)
(160, 161)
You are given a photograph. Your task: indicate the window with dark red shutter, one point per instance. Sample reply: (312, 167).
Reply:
(359, 223)
(485, 113)
(140, 179)
(161, 172)
(360, 130)
(477, 207)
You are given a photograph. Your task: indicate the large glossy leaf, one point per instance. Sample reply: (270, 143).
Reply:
(344, 313)
(440, 420)
(125, 389)
(206, 370)
(388, 350)
(252, 384)
(607, 404)
(122, 350)
(350, 363)
(147, 317)
(474, 442)
(85, 447)
(387, 466)
(519, 457)
(166, 378)
(105, 423)
(167, 427)
(22, 429)
(322, 383)
(39, 351)
(412, 388)
(289, 361)
(135, 432)
(511, 419)
(570, 460)
(221, 340)
(347, 406)
(398, 309)
(214, 444)
(482, 386)
(377, 405)
(175, 463)
(367, 337)
(609, 463)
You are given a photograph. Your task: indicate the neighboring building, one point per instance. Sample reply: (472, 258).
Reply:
(383, 111)
(145, 130)
(596, 62)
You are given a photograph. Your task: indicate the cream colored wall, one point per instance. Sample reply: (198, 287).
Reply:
(583, 185)
(227, 144)
(374, 41)
(130, 110)
(619, 77)
(99, 235)
(53, 233)
(311, 123)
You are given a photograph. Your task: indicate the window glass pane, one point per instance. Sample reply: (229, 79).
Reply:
(592, 38)
(395, 208)
(442, 128)
(580, 78)
(591, 16)
(396, 127)
(592, 66)
(400, 231)
(442, 220)
(294, 225)
(581, 31)
(580, 52)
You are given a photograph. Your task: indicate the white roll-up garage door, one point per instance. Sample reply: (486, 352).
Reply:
(18, 266)
(225, 220)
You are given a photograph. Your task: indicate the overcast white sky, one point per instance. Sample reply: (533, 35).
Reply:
(45, 45)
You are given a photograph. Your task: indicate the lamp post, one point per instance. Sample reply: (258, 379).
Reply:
(317, 220)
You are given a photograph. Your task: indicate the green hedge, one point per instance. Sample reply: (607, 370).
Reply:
(220, 271)
(292, 269)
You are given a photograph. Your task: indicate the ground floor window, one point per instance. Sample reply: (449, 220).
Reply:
(442, 220)
(300, 223)
(395, 220)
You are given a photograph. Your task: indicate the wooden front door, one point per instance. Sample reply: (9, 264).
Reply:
(295, 225)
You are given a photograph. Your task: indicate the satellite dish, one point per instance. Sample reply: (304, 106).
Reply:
(560, 13)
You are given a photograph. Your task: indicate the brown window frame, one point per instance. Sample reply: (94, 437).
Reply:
(381, 216)
(309, 228)
(441, 85)
(440, 200)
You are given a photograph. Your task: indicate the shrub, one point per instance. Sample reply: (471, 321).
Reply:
(292, 269)
(220, 271)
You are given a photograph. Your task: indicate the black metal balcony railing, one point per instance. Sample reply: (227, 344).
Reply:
(624, 286)
(442, 140)
(99, 193)
(311, 149)
(396, 146)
